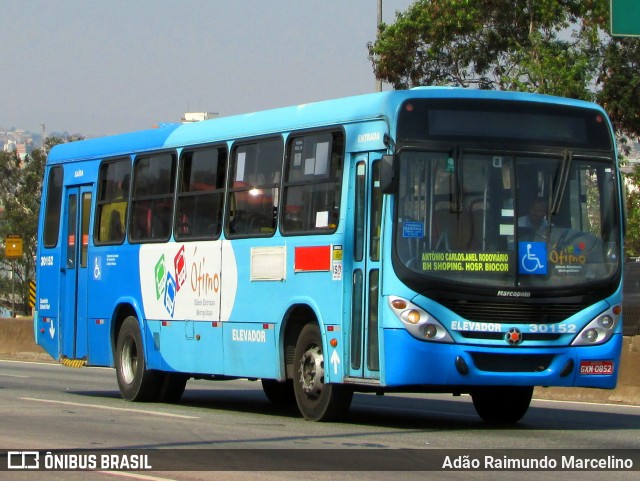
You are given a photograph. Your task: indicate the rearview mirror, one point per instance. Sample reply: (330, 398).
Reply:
(387, 174)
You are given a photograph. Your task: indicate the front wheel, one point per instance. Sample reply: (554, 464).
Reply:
(502, 404)
(317, 400)
(135, 381)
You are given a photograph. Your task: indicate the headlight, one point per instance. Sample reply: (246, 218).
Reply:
(600, 329)
(418, 322)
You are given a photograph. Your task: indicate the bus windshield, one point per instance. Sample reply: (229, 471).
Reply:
(507, 219)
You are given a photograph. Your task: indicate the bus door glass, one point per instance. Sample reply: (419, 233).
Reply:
(74, 322)
(364, 339)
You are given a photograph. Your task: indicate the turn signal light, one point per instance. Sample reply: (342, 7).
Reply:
(399, 304)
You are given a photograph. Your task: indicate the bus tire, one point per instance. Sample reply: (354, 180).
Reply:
(280, 394)
(135, 381)
(316, 400)
(502, 404)
(172, 387)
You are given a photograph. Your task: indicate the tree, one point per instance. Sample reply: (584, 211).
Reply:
(620, 84)
(20, 190)
(20, 187)
(558, 47)
(632, 237)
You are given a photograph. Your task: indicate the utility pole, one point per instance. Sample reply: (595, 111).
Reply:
(44, 138)
(379, 82)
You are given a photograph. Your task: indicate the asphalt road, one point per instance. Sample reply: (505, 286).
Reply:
(50, 407)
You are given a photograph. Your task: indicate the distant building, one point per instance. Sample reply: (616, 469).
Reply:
(21, 151)
(198, 116)
(9, 146)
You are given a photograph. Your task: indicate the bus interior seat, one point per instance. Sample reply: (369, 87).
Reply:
(459, 230)
(116, 231)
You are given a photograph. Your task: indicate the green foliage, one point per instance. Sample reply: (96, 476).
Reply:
(620, 81)
(558, 47)
(20, 188)
(21, 191)
(632, 238)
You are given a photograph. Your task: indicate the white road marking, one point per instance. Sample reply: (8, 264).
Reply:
(145, 477)
(109, 408)
(587, 403)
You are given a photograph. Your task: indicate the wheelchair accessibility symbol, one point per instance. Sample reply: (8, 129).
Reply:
(533, 258)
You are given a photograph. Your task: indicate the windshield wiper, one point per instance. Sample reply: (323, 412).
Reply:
(560, 183)
(454, 166)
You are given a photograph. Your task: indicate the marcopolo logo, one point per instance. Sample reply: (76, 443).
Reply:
(513, 294)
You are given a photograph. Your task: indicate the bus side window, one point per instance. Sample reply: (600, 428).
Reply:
(200, 194)
(53, 207)
(254, 188)
(113, 200)
(312, 184)
(152, 197)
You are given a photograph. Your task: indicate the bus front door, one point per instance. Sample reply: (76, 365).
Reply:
(364, 340)
(73, 319)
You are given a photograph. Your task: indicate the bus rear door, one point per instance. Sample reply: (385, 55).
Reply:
(74, 271)
(364, 349)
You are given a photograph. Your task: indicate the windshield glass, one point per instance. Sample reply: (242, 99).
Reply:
(507, 220)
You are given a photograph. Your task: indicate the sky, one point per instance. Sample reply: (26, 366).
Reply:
(101, 67)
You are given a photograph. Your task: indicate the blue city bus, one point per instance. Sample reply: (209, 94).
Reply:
(429, 240)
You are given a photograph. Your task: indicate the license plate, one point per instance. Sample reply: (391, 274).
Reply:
(596, 368)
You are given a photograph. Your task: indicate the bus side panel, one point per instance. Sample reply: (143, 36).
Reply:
(113, 279)
(47, 328)
(50, 274)
(274, 276)
(250, 331)
(251, 349)
(185, 301)
(185, 346)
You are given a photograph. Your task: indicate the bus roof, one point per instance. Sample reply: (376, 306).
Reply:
(381, 105)
(110, 146)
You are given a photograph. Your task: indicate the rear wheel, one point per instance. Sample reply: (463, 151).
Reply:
(135, 381)
(317, 400)
(502, 404)
(172, 387)
(279, 393)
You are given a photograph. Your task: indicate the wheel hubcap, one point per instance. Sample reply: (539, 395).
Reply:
(312, 372)
(129, 360)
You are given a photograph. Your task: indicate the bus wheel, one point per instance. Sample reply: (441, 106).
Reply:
(316, 400)
(279, 393)
(172, 387)
(502, 404)
(135, 381)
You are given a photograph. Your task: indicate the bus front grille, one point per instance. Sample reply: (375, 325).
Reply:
(511, 362)
(500, 336)
(514, 313)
